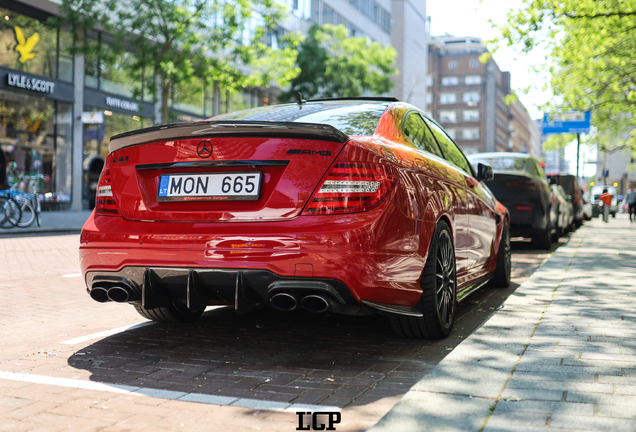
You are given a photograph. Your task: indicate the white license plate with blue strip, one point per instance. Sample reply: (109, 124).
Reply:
(243, 186)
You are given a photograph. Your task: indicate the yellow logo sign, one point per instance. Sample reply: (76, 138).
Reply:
(25, 46)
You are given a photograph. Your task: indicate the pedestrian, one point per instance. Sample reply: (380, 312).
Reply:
(606, 199)
(630, 200)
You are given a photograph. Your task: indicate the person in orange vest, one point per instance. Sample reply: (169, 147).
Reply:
(606, 199)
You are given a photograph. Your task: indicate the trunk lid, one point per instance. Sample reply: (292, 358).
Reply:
(220, 171)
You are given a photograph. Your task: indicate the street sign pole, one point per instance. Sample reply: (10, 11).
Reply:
(578, 152)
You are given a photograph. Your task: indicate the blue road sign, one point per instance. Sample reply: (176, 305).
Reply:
(573, 122)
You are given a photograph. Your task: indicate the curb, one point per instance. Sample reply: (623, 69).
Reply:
(463, 390)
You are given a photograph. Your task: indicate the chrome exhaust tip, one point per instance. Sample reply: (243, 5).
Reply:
(119, 294)
(284, 301)
(99, 294)
(315, 303)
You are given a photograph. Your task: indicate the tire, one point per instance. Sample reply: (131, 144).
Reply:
(10, 213)
(28, 212)
(614, 214)
(543, 239)
(175, 313)
(501, 277)
(439, 292)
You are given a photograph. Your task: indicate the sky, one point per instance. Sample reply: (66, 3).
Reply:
(471, 18)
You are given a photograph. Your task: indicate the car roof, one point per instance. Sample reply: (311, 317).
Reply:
(500, 154)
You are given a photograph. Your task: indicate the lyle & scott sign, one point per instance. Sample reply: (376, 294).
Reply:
(34, 84)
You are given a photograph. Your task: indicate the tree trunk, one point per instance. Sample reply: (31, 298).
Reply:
(165, 100)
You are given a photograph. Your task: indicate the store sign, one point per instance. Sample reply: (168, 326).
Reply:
(25, 46)
(122, 104)
(93, 117)
(33, 84)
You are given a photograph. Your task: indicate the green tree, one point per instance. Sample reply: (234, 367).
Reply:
(178, 40)
(332, 64)
(591, 62)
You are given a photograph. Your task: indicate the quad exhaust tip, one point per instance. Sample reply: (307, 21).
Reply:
(284, 301)
(119, 294)
(99, 294)
(315, 303)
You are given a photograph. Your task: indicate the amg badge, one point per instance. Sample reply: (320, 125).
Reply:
(309, 152)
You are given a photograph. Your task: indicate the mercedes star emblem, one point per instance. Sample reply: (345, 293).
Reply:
(204, 149)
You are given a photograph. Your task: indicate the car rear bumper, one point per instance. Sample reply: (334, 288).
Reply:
(377, 256)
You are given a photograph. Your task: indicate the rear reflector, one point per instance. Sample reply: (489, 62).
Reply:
(105, 203)
(524, 208)
(351, 187)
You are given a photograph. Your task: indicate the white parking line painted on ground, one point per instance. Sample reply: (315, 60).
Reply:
(72, 275)
(164, 394)
(105, 333)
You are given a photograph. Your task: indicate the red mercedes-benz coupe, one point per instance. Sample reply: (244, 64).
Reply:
(352, 206)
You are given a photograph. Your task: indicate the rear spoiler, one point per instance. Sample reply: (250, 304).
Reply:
(211, 128)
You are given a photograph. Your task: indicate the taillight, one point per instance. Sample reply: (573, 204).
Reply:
(105, 203)
(351, 187)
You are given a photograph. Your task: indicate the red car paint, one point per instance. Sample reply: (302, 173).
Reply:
(377, 254)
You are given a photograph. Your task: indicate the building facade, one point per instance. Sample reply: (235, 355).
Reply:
(467, 97)
(58, 111)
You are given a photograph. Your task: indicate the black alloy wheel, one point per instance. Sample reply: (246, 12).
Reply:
(439, 292)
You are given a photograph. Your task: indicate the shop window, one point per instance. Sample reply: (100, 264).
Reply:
(29, 45)
(36, 135)
(116, 73)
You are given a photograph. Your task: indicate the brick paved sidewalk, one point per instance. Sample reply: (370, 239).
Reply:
(58, 222)
(559, 355)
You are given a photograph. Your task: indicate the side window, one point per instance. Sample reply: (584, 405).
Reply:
(416, 131)
(452, 153)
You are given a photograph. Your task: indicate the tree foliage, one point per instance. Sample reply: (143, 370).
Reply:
(333, 64)
(591, 61)
(177, 40)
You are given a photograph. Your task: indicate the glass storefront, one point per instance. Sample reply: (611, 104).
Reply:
(36, 134)
(29, 45)
(96, 139)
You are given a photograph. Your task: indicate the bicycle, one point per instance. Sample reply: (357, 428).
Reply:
(10, 213)
(29, 203)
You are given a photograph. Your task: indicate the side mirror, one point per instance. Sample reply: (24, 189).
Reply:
(484, 172)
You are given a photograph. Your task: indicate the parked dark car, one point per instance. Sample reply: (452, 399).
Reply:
(521, 185)
(570, 184)
(564, 211)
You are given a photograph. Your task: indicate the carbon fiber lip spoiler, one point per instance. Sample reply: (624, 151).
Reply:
(208, 129)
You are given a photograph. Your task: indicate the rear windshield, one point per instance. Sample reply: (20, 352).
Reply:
(349, 118)
(502, 163)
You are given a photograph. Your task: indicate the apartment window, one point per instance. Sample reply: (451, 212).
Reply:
(429, 80)
(450, 80)
(470, 134)
(452, 64)
(448, 116)
(429, 98)
(472, 97)
(452, 133)
(447, 98)
(473, 79)
(474, 64)
(470, 115)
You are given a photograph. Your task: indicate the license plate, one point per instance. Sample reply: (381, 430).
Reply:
(243, 186)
